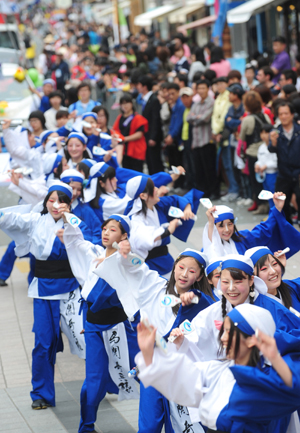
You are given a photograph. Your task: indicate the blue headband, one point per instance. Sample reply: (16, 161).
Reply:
(122, 221)
(210, 268)
(89, 114)
(141, 187)
(240, 322)
(69, 179)
(231, 263)
(49, 81)
(62, 189)
(46, 135)
(88, 163)
(78, 135)
(260, 253)
(195, 255)
(101, 171)
(57, 162)
(223, 217)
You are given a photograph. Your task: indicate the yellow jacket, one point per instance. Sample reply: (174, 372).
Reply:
(221, 107)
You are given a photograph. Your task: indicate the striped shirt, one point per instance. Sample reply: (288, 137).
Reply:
(200, 119)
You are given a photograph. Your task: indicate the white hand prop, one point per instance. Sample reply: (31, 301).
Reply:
(102, 134)
(175, 212)
(208, 204)
(172, 300)
(72, 219)
(134, 259)
(174, 170)
(286, 250)
(159, 340)
(186, 327)
(99, 151)
(268, 195)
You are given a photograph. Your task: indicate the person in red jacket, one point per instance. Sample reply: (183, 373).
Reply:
(133, 127)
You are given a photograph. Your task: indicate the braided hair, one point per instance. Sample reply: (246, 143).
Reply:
(237, 274)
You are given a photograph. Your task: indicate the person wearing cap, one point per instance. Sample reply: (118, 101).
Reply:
(270, 267)
(75, 149)
(50, 289)
(203, 148)
(82, 210)
(186, 95)
(61, 70)
(85, 103)
(108, 327)
(221, 237)
(244, 392)
(233, 119)
(55, 99)
(147, 291)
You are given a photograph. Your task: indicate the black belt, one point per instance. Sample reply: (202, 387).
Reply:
(107, 316)
(157, 252)
(53, 269)
(214, 431)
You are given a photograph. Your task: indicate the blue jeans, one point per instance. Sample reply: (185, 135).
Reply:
(228, 167)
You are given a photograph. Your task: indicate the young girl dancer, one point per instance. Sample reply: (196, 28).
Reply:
(242, 394)
(52, 285)
(110, 333)
(271, 269)
(221, 237)
(145, 290)
(151, 222)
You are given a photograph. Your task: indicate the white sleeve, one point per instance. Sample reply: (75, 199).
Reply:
(114, 205)
(80, 252)
(12, 144)
(142, 238)
(33, 191)
(215, 248)
(18, 226)
(175, 376)
(272, 161)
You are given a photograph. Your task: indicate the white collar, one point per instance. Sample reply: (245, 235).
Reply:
(147, 96)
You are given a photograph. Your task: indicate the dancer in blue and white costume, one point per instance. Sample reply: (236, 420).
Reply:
(54, 288)
(241, 394)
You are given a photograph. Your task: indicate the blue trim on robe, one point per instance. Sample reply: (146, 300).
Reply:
(275, 233)
(260, 402)
(294, 286)
(84, 212)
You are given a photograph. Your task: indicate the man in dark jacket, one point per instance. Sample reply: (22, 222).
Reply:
(151, 111)
(61, 71)
(285, 141)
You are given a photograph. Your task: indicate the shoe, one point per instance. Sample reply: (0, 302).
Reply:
(240, 201)
(233, 196)
(248, 201)
(225, 197)
(261, 210)
(40, 404)
(115, 106)
(253, 207)
(3, 283)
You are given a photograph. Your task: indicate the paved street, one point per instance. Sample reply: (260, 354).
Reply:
(16, 343)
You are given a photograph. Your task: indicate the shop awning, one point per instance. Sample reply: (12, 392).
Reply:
(243, 13)
(145, 19)
(179, 16)
(203, 22)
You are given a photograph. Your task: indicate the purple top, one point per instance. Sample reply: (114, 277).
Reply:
(281, 62)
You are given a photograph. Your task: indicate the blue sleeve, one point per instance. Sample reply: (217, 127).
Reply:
(45, 104)
(232, 124)
(92, 222)
(276, 233)
(105, 143)
(161, 178)
(63, 131)
(72, 108)
(124, 174)
(172, 200)
(93, 140)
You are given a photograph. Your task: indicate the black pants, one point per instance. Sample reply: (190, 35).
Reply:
(289, 186)
(256, 187)
(189, 166)
(153, 159)
(132, 163)
(205, 165)
(175, 157)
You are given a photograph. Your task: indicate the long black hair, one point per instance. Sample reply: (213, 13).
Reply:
(283, 288)
(254, 356)
(62, 198)
(236, 274)
(236, 236)
(110, 173)
(202, 285)
(149, 189)
(81, 166)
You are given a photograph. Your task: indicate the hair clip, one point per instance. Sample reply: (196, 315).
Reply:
(252, 294)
